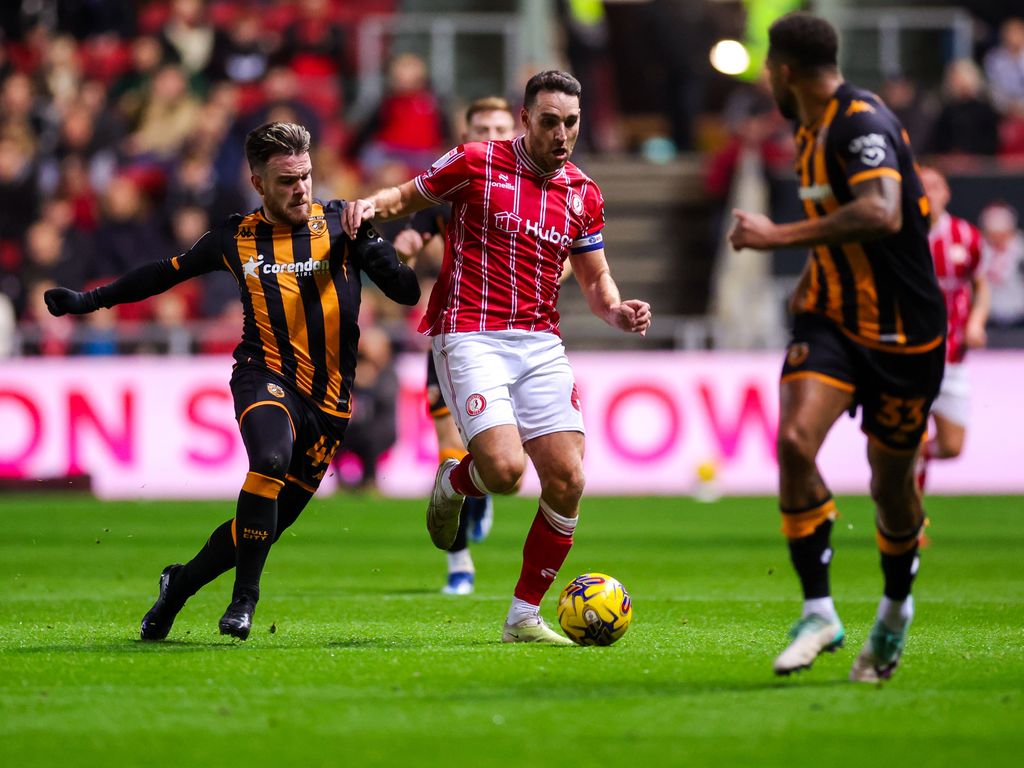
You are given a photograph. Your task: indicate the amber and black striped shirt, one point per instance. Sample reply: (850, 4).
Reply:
(300, 291)
(883, 293)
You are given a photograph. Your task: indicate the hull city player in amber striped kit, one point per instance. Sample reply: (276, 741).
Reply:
(956, 250)
(868, 332)
(298, 275)
(519, 209)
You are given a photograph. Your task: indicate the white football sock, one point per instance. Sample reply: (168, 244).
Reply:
(896, 614)
(823, 606)
(521, 610)
(460, 562)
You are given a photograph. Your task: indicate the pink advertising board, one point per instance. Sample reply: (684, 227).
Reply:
(164, 428)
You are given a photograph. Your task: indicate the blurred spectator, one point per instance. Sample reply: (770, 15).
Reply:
(194, 183)
(20, 111)
(61, 71)
(127, 235)
(49, 257)
(914, 111)
(218, 290)
(44, 333)
(168, 117)
(314, 44)
(967, 123)
(1003, 259)
(247, 50)
(409, 126)
(87, 134)
(129, 91)
(373, 427)
(189, 37)
(586, 47)
(755, 125)
(19, 207)
(1004, 67)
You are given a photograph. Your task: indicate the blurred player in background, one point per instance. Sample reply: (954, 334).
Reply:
(298, 274)
(868, 332)
(519, 209)
(487, 119)
(956, 250)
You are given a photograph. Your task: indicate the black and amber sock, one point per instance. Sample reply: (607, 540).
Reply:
(899, 561)
(809, 533)
(255, 529)
(217, 556)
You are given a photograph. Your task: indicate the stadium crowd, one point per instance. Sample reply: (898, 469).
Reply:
(121, 122)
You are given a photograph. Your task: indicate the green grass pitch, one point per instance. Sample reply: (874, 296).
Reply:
(357, 660)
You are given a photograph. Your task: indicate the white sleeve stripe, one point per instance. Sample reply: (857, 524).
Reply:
(425, 192)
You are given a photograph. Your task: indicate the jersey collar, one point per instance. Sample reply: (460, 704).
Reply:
(519, 147)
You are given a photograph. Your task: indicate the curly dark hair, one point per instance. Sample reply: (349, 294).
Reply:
(805, 42)
(271, 139)
(551, 80)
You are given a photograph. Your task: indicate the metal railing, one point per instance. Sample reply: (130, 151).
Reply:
(890, 23)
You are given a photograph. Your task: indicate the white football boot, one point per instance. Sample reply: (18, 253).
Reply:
(532, 630)
(812, 635)
(443, 510)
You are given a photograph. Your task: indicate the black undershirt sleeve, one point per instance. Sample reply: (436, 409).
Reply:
(159, 276)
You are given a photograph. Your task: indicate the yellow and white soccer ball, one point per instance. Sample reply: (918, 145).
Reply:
(594, 609)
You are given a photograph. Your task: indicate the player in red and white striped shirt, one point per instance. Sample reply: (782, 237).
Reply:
(956, 251)
(519, 210)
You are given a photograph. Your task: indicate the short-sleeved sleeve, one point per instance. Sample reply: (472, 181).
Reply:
(590, 238)
(442, 181)
(865, 140)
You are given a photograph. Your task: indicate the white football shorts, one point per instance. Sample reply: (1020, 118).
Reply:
(507, 377)
(954, 400)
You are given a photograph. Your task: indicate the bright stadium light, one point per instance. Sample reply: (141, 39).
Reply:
(730, 57)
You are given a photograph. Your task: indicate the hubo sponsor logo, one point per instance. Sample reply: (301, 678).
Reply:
(503, 182)
(509, 222)
(253, 267)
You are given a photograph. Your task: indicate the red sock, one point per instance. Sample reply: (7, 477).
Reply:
(543, 554)
(462, 481)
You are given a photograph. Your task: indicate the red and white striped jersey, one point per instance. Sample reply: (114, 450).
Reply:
(512, 227)
(956, 251)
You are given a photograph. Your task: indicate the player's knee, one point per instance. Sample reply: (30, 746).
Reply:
(502, 474)
(896, 500)
(795, 446)
(270, 462)
(565, 484)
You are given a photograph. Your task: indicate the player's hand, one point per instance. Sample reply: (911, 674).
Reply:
(632, 316)
(63, 301)
(752, 230)
(380, 259)
(355, 213)
(409, 243)
(975, 335)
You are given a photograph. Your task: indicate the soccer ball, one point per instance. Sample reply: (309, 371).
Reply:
(594, 609)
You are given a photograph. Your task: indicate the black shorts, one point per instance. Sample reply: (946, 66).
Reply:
(894, 390)
(317, 435)
(436, 406)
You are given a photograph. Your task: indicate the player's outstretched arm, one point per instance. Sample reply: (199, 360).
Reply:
(387, 203)
(595, 279)
(873, 213)
(140, 283)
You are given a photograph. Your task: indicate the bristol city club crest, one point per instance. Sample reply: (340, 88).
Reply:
(475, 404)
(577, 204)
